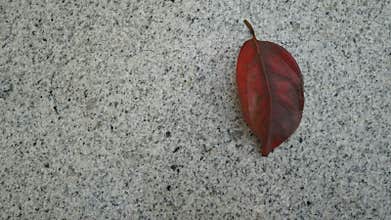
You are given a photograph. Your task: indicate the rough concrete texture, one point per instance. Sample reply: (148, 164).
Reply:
(128, 110)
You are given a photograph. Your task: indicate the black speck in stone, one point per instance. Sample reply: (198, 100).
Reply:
(173, 167)
(168, 188)
(46, 165)
(301, 187)
(336, 94)
(327, 13)
(308, 203)
(168, 134)
(176, 150)
(44, 39)
(176, 168)
(6, 87)
(300, 140)
(55, 109)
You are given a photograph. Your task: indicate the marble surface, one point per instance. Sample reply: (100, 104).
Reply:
(128, 110)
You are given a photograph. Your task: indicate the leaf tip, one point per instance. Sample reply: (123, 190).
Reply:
(264, 153)
(266, 148)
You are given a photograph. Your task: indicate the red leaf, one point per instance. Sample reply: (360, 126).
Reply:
(270, 87)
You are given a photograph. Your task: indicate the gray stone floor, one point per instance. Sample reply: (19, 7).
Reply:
(128, 110)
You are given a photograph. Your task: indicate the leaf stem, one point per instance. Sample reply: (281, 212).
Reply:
(250, 27)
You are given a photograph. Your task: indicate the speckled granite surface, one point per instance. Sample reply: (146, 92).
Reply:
(128, 110)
